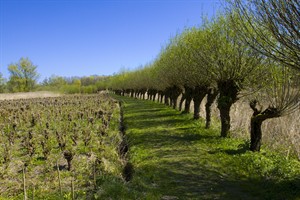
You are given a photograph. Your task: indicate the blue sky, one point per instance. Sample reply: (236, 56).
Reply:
(87, 37)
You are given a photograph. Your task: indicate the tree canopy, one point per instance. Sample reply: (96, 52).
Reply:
(272, 27)
(2, 83)
(23, 76)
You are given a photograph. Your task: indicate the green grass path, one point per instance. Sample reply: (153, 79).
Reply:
(174, 157)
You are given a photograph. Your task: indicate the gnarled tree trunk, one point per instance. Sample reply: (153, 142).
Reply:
(161, 96)
(167, 96)
(225, 120)
(181, 101)
(175, 91)
(228, 96)
(256, 134)
(188, 99)
(257, 119)
(211, 97)
(143, 92)
(154, 96)
(128, 92)
(149, 94)
(132, 93)
(166, 99)
(187, 104)
(198, 95)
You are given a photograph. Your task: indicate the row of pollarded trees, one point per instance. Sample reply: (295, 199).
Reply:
(215, 61)
(271, 27)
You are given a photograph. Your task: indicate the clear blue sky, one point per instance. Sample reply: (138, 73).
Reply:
(87, 37)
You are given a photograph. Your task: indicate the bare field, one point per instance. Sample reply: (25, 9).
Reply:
(28, 95)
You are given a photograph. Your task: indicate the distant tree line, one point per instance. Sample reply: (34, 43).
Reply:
(23, 77)
(73, 85)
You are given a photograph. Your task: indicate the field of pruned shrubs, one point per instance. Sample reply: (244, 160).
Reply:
(59, 147)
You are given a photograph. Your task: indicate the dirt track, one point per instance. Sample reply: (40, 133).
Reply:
(27, 95)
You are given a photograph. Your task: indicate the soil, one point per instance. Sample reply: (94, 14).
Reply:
(28, 95)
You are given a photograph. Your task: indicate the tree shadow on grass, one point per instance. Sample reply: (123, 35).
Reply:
(185, 179)
(174, 167)
(152, 119)
(165, 138)
(149, 113)
(176, 173)
(240, 150)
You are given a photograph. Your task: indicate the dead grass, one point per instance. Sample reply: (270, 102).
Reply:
(28, 95)
(279, 134)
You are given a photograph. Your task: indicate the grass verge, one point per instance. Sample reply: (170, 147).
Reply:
(175, 157)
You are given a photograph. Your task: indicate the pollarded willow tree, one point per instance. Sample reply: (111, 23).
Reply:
(181, 72)
(278, 18)
(168, 72)
(229, 62)
(272, 28)
(197, 82)
(133, 83)
(117, 83)
(141, 81)
(279, 97)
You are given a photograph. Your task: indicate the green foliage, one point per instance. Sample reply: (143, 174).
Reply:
(214, 55)
(174, 156)
(75, 85)
(88, 89)
(268, 27)
(70, 89)
(23, 76)
(55, 81)
(2, 84)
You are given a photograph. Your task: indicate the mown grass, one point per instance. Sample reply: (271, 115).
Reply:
(175, 157)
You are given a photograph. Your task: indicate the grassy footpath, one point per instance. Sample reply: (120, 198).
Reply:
(174, 157)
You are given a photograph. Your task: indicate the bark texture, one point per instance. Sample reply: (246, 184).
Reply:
(198, 95)
(257, 119)
(228, 90)
(211, 97)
